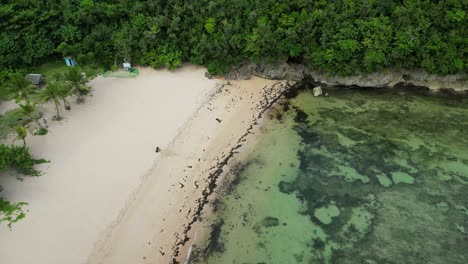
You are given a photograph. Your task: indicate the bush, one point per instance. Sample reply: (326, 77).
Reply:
(15, 117)
(4, 74)
(19, 159)
(11, 212)
(87, 58)
(165, 56)
(41, 131)
(217, 67)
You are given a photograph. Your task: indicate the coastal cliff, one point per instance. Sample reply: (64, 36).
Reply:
(455, 84)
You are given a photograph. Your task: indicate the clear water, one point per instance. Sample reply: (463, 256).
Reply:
(355, 177)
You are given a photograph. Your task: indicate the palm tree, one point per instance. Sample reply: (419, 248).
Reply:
(65, 91)
(21, 134)
(21, 88)
(52, 93)
(28, 111)
(76, 81)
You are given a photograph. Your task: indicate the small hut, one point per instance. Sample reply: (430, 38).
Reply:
(127, 66)
(70, 61)
(35, 78)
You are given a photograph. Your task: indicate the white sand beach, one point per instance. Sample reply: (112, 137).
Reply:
(98, 155)
(107, 196)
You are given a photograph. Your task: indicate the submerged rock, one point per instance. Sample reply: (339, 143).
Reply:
(269, 221)
(286, 187)
(301, 116)
(317, 91)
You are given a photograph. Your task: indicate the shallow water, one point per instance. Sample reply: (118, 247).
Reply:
(355, 177)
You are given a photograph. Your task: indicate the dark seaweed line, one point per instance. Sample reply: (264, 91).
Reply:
(269, 100)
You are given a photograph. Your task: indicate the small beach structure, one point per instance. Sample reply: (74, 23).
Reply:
(70, 61)
(35, 78)
(126, 72)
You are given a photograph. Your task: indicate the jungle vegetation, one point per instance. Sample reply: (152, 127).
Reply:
(341, 37)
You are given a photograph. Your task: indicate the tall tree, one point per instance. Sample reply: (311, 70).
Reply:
(65, 92)
(21, 88)
(76, 81)
(52, 93)
(28, 110)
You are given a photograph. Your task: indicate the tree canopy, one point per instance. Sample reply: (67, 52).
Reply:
(340, 37)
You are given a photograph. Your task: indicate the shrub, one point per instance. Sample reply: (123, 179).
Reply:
(41, 131)
(11, 212)
(165, 56)
(18, 159)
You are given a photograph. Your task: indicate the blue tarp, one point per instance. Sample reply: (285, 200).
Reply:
(70, 61)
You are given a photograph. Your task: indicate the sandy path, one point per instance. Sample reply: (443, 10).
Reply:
(99, 154)
(157, 214)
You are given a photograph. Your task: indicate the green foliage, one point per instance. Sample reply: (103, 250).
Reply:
(41, 131)
(21, 88)
(54, 92)
(4, 93)
(28, 108)
(21, 134)
(217, 67)
(340, 37)
(18, 159)
(86, 59)
(165, 56)
(16, 117)
(4, 73)
(11, 212)
(210, 25)
(76, 83)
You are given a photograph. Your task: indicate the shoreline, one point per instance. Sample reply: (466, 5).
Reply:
(219, 170)
(142, 234)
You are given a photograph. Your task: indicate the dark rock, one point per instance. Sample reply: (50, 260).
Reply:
(269, 221)
(296, 72)
(286, 187)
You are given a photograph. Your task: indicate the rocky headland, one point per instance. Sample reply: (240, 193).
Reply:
(453, 84)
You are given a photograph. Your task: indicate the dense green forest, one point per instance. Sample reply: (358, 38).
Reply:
(342, 36)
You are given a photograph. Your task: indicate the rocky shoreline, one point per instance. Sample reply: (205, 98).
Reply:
(270, 96)
(453, 84)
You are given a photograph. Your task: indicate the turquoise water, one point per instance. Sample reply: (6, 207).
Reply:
(355, 177)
